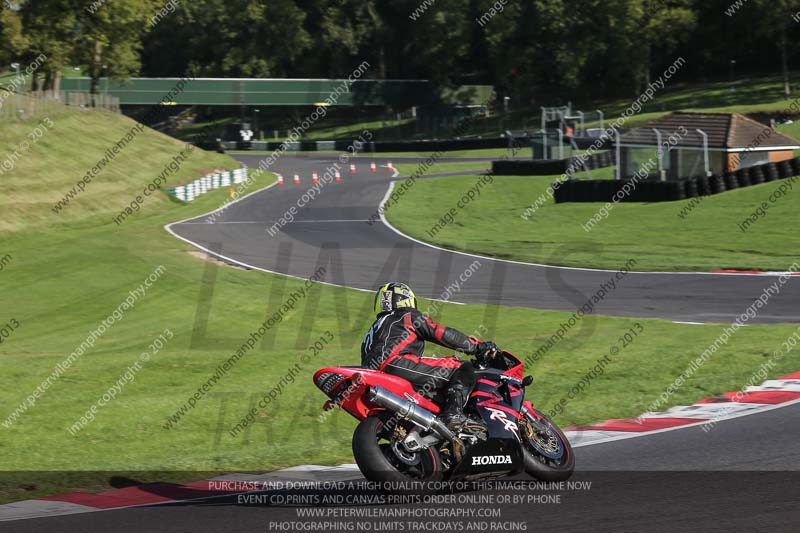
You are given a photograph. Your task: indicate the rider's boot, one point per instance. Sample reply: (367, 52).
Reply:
(453, 415)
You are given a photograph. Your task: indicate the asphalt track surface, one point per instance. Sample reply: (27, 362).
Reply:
(333, 230)
(742, 475)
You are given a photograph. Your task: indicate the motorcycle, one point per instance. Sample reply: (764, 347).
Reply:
(400, 438)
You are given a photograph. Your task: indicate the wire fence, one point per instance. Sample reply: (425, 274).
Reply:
(37, 104)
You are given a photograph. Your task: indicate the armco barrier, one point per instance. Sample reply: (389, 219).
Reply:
(200, 186)
(671, 190)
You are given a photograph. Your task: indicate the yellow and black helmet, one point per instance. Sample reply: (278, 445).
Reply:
(394, 296)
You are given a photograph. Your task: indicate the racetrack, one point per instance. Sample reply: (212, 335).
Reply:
(335, 228)
(744, 474)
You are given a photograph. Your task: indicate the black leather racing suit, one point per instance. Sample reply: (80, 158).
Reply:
(396, 340)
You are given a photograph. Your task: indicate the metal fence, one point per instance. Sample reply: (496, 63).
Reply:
(36, 104)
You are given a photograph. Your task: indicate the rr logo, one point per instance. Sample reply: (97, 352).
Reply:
(500, 416)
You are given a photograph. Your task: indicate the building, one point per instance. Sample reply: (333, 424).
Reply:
(699, 142)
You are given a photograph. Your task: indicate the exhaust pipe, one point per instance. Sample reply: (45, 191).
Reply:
(410, 411)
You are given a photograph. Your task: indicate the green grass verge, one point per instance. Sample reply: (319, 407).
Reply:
(63, 282)
(707, 238)
(483, 152)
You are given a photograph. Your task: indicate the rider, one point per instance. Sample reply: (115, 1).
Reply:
(396, 340)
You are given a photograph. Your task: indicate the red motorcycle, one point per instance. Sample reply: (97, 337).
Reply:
(400, 437)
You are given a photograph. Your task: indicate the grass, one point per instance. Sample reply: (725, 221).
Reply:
(757, 94)
(406, 169)
(707, 238)
(484, 152)
(45, 172)
(63, 279)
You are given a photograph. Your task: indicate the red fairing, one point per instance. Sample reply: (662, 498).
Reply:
(529, 406)
(517, 371)
(356, 400)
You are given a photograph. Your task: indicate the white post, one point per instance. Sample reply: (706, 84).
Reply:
(602, 120)
(545, 152)
(544, 119)
(560, 144)
(583, 121)
(660, 153)
(619, 158)
(705, 152)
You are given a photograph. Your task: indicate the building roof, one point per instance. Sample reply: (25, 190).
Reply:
(727, 131)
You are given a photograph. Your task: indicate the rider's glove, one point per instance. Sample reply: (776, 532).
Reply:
(486, 350)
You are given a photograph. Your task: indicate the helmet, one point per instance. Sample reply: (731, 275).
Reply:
(394, 296)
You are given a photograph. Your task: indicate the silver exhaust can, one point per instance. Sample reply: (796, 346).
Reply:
(409, 410)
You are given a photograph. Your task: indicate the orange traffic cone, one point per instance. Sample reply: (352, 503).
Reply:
(296, 178)
(352, 168)
(373, 167)
(314, 177)
(280, 180)
(389, 166)
(338, 176)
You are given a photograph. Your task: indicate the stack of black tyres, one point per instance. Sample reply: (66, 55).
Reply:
(770, 172)
(756, 175)
(691, 188)
(676, 190)
(743, 175)
(717, 184)
(785, 169)
(731, 181)
(795, 166)
(703, 185)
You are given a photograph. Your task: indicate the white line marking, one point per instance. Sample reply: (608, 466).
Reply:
(693, 424)
(274, 221)
(168, 227)
(692, 323)
(581, 269)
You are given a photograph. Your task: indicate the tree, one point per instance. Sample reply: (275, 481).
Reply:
(109, 39)
(12, 40)
(50, 27)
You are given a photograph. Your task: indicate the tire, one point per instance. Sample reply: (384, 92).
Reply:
(717, 184)
(756, 175)
(743, 174)
(559, 463)
(770, 172)
(379, 463)
(785, 170)
(703, 186)
(795, 166)
(731, 181)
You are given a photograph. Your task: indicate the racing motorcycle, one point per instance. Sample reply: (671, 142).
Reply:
(400, 437)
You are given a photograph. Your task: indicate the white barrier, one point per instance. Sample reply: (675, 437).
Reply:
(200, 186)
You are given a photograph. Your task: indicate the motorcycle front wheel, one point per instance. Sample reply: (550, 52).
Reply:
(381, 457)
(547, 452)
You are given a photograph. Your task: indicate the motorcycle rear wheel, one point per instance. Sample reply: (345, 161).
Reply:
(546, 450)
(381, 459)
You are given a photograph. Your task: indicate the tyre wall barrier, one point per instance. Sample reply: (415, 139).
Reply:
(671, 190)
(200, 186)
(551, 167)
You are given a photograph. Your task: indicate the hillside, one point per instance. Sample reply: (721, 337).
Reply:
(45, 157)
